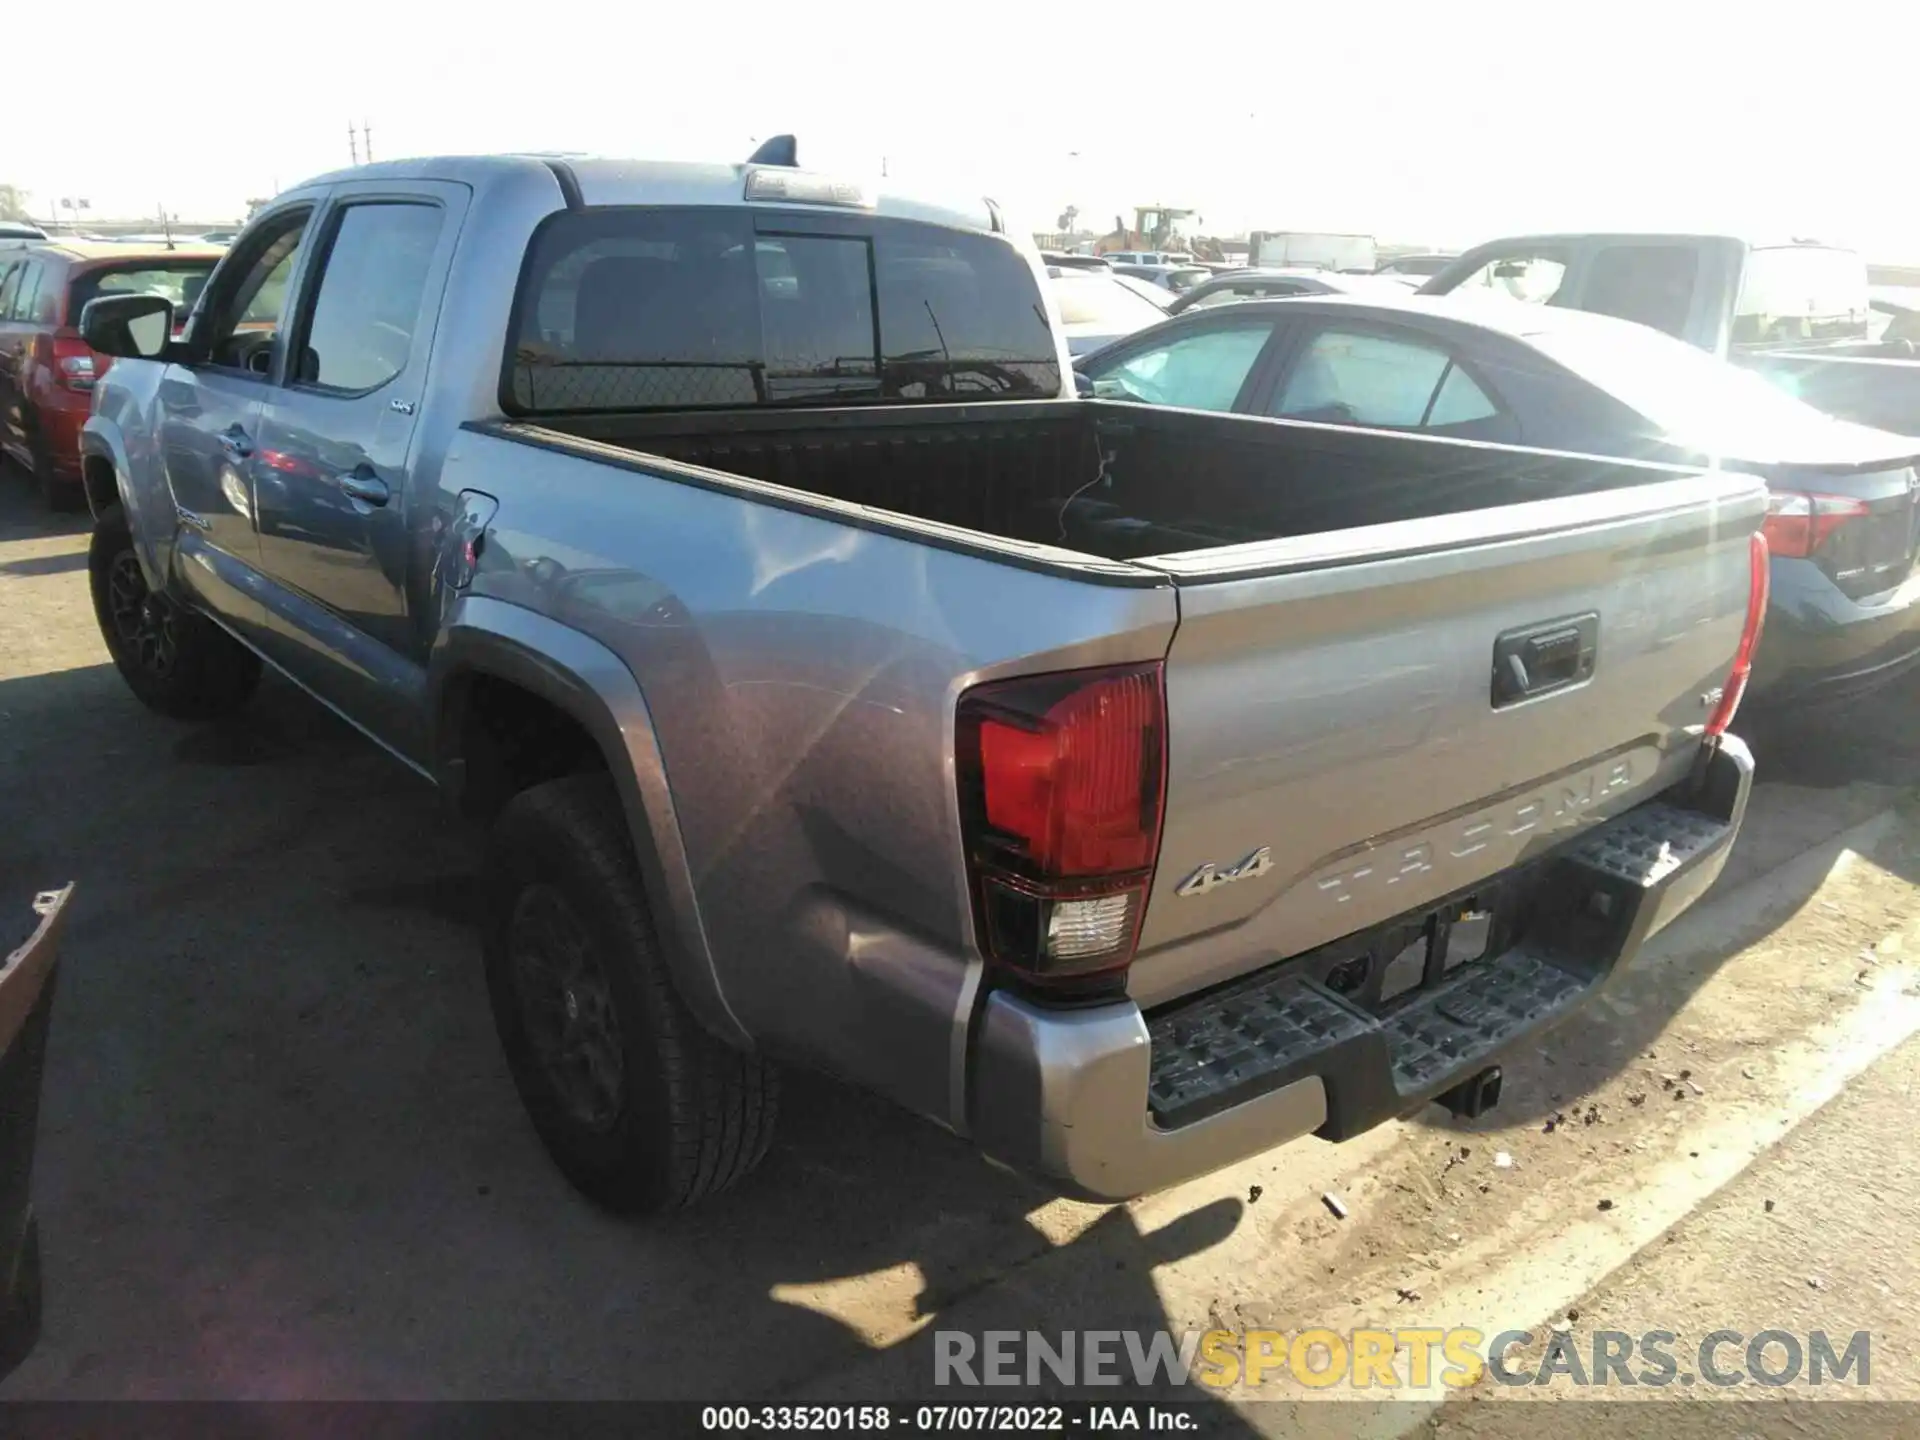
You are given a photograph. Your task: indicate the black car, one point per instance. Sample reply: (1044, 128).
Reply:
(1843, 521)
(26, 1010)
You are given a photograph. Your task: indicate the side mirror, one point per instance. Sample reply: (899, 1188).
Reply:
(128, 327)
(1082, 385)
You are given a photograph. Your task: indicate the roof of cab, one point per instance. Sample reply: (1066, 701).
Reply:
(606, 181)
(1575, 237)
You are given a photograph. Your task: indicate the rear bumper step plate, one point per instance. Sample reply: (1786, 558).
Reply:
(1589, 905)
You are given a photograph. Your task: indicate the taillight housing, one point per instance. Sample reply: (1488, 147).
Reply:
(1798, 522)
(74, 365)
(1758, 584)
(1062, 781)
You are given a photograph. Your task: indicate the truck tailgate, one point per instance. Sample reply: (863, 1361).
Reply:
(1350, 737)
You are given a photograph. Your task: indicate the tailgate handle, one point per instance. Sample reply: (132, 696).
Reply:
(1541, 658)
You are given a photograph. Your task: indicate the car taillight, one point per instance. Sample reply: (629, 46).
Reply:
(1798, 524)
(73, 363)
(1758, 579)
(1061, 784)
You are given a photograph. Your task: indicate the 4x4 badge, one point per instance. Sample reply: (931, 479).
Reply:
(1210, 877)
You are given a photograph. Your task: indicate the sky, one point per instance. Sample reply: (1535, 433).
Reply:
(1430, 123)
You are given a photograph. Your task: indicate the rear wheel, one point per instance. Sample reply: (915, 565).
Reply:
(177, 662)
(640, 1107)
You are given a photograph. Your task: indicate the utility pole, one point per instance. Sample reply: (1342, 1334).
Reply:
(366, 139)
(353, 144)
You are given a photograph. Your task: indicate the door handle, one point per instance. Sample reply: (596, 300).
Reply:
(364, 486)
(234, 441)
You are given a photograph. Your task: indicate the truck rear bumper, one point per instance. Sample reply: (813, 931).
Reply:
(1111, 1103)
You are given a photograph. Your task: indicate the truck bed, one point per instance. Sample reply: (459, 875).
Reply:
(1173, 481)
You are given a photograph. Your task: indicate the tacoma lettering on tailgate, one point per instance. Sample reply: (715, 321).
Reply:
(1545, 809)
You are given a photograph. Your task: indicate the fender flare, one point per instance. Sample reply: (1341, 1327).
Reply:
(101, 439)
(583, 678)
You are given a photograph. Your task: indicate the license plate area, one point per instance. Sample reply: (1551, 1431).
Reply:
(1381, 969)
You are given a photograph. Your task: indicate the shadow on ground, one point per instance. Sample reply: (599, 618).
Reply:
(282, 1157)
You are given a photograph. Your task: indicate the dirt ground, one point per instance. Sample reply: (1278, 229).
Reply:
(281, 1155)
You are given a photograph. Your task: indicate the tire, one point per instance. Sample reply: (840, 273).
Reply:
(641, 1108)
(177, 662)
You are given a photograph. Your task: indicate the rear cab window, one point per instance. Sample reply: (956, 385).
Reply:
(665, 308)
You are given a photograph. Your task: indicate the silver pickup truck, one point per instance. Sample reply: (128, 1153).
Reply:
(1127, 790)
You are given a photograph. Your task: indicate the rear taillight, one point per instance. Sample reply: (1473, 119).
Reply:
(73, 363)
(1061, 783)
(1758, 577)
(1798, 523)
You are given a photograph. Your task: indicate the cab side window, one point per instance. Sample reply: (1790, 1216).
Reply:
(240, 323)
(360, 332)
(1647, 284)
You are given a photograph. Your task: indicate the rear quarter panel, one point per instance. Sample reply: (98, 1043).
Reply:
(801, 674)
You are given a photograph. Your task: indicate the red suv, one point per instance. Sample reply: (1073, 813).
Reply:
(46, 370)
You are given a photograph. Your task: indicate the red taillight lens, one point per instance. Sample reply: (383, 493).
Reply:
(1798, 524)
(74, 363)
(1758, 583)
(1061, 782)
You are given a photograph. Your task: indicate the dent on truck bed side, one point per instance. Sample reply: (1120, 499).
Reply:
(575, 672)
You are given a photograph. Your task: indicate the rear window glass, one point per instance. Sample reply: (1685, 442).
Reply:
(1801, 292)
(680, 309)
(180, 281)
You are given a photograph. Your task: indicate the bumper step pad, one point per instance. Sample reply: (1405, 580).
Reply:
(1270, 1029)
(1647, 844)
